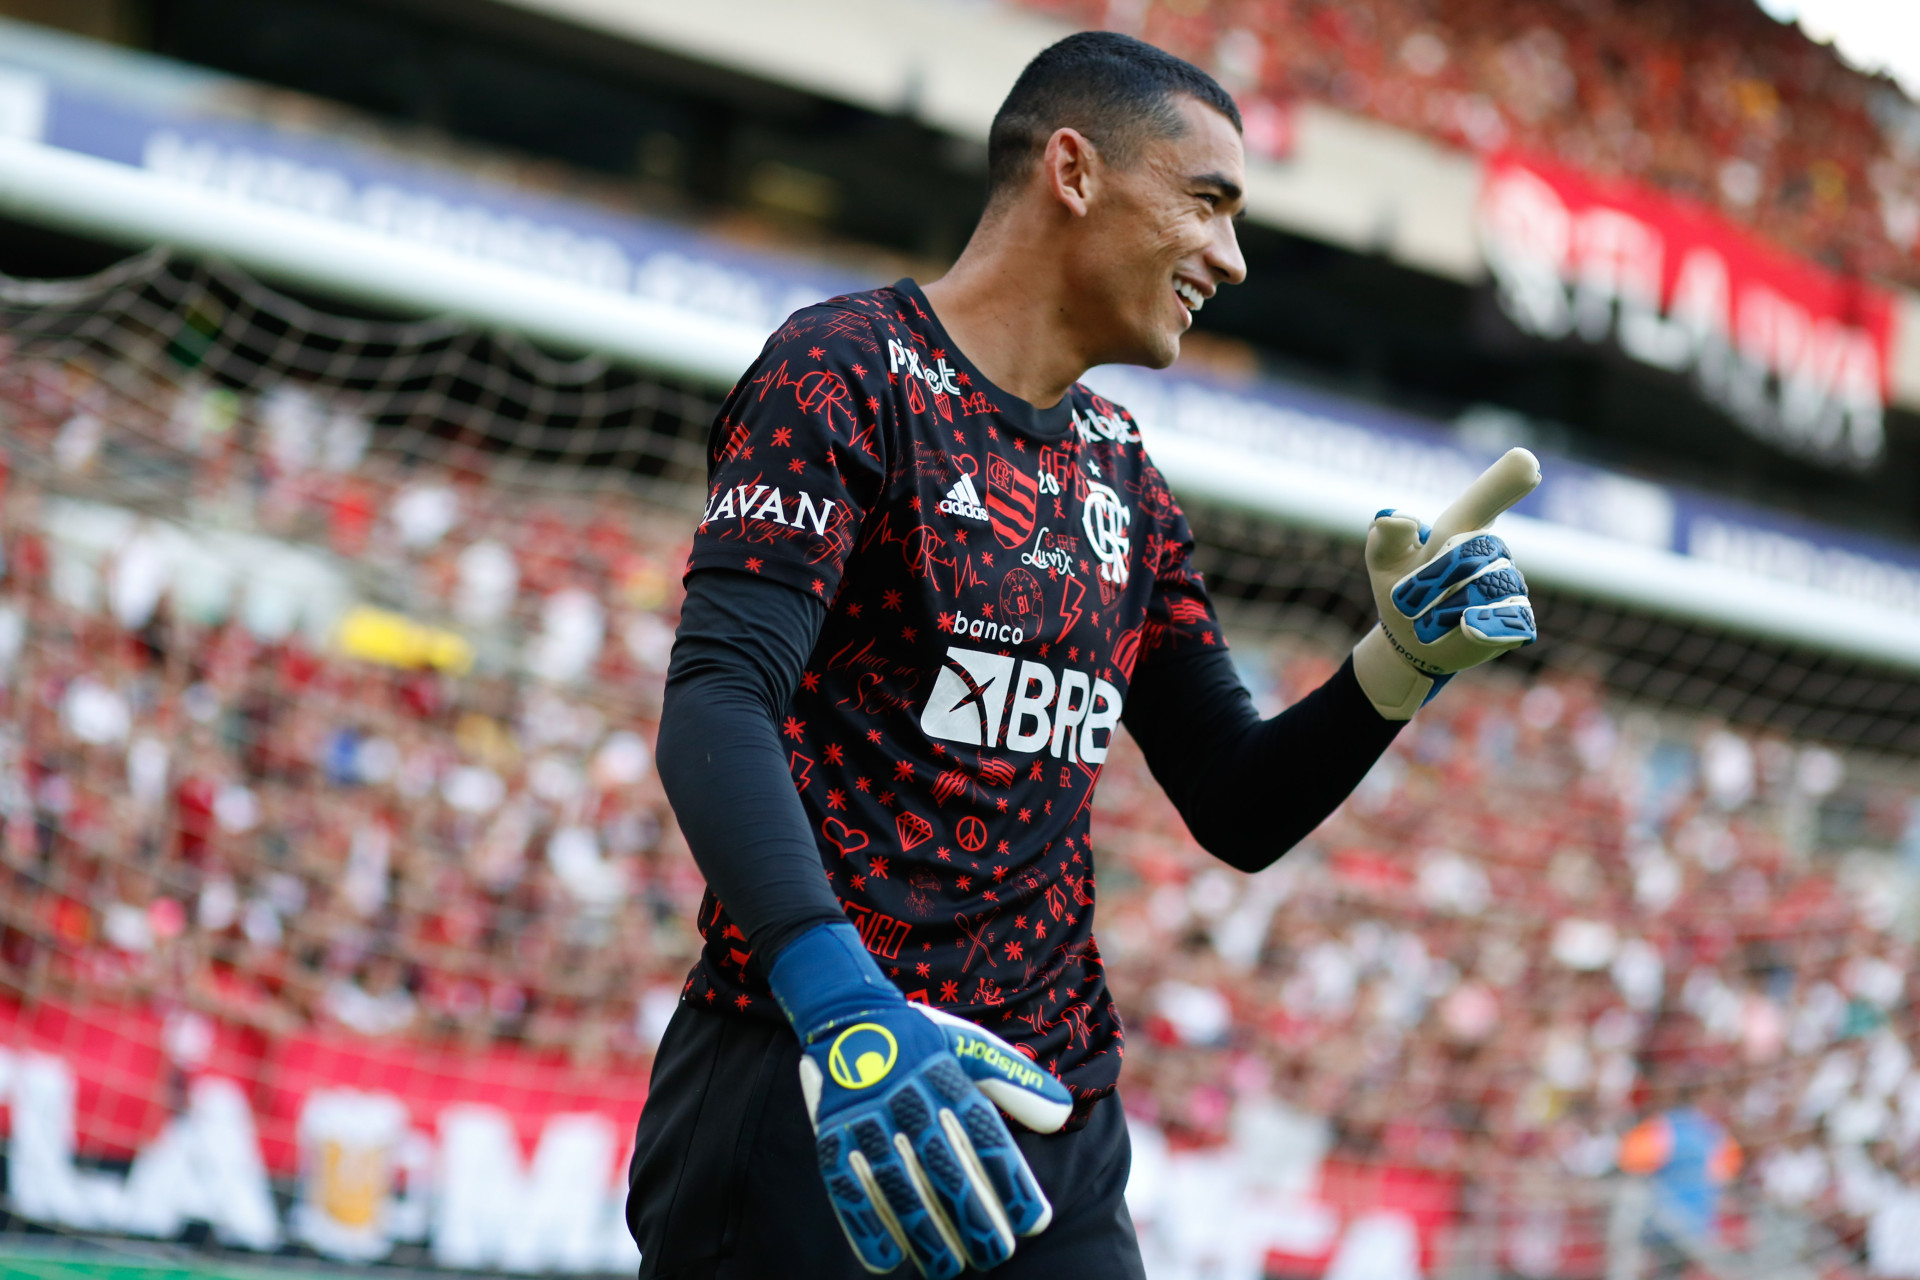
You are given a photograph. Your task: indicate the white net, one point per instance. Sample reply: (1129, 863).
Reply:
(342, 906)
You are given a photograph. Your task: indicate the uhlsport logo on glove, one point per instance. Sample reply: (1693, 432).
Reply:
(862, 1055)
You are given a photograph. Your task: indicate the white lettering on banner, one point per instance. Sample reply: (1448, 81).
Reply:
(760, 502)
(556, 1214)
(204, 1166)
(1809, 384)
(1784, 558)
(700, 284)
(479, 1203)
(938, 376)
(1065, 713)
(1106, 519)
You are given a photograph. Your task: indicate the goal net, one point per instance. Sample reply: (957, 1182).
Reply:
(342, 906)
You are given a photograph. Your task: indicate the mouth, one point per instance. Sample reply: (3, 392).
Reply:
(1189, 294)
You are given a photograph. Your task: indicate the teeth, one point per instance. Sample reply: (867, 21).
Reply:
(1189, 295)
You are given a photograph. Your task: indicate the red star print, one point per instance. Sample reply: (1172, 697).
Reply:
(873, 404)
(991, 896)
(859, 370)
(1001, 846)
(819, 587)
(890, 600)
(938, 353)
(783, 436)
(1019, 922)
(992, 432)
(908, 633)
(877, 868)
(1019, 445)
(793, 728)
(862, 785)
(753, 564)
(914, 502)
(741, 1001)
(1040, 928)
(902, 770)
(945, 623)
(835, 753)
(964, 379)
(796, 466)
(816, 352)
(958, 438)
(987, 557)
(943, 854)
(999, 873)
(986, 611)
(709, 995)
(1073, 653)
(922, 969)
(858, 882)
(963, 883)
(746, 451)
(1026, 815)
(853, 611)
(836, 799)
(1206, 637)
(873, 736)
(810, 681)
(950, 990)
(1002, 802)
(886, 798)
(960, 536)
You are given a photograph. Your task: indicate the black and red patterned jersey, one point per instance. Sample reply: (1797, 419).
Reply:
(996, 576)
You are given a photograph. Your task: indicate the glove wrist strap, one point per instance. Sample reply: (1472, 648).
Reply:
(1391, 684)
(826, 976)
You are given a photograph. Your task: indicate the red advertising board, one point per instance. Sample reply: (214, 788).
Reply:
(1797, 354)
(128, 1080)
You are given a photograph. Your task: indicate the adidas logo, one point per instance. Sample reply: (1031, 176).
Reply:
(963, 500)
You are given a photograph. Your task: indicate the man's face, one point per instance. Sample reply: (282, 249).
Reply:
(1159, 240)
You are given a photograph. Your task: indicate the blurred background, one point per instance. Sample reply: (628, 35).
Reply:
(356, 361)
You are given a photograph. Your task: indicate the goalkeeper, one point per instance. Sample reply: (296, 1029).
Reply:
(934, 574)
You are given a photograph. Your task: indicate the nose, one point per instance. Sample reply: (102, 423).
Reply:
(1223, 256)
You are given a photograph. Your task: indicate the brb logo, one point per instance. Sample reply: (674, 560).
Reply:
(979, 695)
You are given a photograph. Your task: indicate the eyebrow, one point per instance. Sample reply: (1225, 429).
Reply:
(1227, 186)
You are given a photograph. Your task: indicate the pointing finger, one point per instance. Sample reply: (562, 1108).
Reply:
(1508, 480)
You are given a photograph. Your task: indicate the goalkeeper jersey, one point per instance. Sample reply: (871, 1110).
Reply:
(995, 576)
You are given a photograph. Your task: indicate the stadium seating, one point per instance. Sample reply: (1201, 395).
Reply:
(1540, 913)
(1710, 100)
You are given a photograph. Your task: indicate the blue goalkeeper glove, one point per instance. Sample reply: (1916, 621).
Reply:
(1450, 597)
(917, 1161)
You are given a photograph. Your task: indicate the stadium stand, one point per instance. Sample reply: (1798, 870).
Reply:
(329, 661)
(1714, 101)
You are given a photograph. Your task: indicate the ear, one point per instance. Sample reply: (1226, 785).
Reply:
(1071, 168)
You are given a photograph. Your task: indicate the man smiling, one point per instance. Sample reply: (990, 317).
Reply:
(934, 575)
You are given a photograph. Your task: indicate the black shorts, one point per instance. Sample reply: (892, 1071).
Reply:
(725, 1184)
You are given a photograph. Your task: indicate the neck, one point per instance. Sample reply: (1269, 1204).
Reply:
(1005, 304)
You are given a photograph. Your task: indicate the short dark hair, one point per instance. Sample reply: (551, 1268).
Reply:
(1116, 90)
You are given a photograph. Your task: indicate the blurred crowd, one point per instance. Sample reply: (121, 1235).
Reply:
(1712, 100)
(1541, 918)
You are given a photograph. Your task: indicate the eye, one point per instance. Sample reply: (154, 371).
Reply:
(1212, 198)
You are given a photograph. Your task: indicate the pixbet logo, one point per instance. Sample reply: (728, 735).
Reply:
(939, 377)
(979, 696)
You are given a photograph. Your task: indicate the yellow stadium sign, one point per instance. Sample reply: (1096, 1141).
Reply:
(395, 640)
